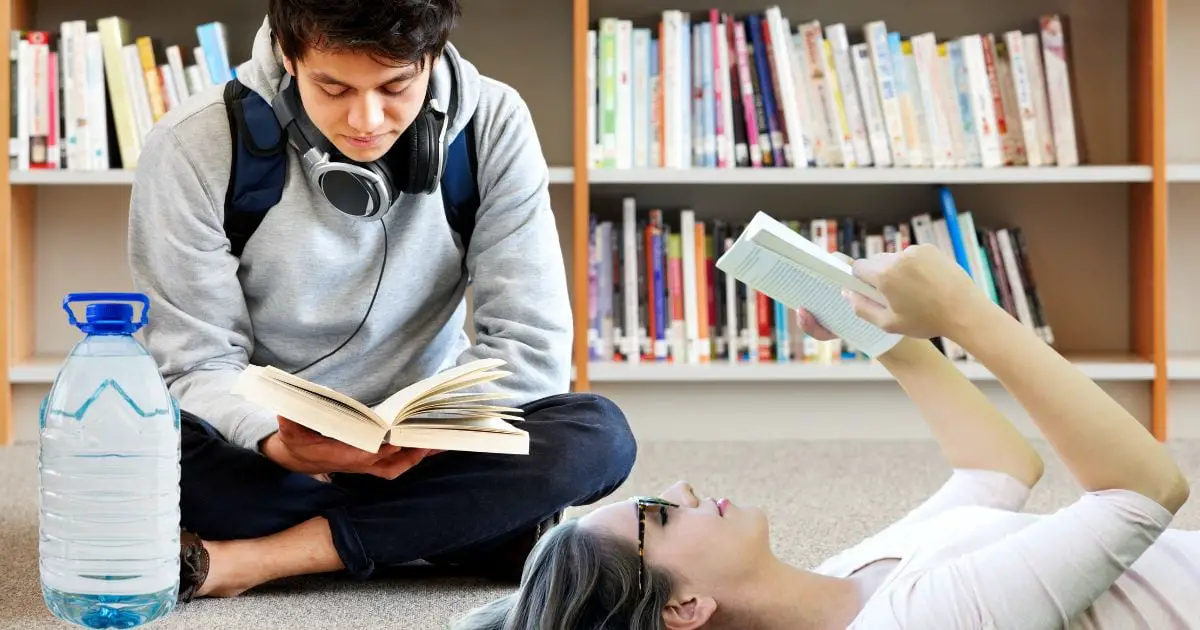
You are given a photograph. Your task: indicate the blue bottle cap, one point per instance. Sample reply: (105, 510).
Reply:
(112, 314)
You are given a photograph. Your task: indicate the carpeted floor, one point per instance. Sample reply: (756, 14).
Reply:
(821, 497)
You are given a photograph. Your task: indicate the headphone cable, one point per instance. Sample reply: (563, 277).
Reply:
(375, 294)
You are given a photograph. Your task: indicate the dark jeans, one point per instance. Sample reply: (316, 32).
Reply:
(452, 504)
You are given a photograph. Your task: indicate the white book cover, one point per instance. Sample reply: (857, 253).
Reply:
(640, 99)
(921, 110)
(983, 108)
(624, 111)
(1003, 120)
(1022, 93)
(1014, 132)
(1041, 101)
(684, 85)
(812, 117)
(824, 106)
(947, 97)
(635, 332)
(202, 65)
(69, 45)
(837, 108)
(175, 61)
(725, 84)
(908, 102)
(97, 104)
(1058, 84)
(839, 42)
(925, 68)
(796, 153)
(966, 105)
(788, 268)
(876, 37)
(669, 86)
(864, 79)
(135, 84)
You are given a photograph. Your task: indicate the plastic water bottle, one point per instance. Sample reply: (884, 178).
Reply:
(109, 475)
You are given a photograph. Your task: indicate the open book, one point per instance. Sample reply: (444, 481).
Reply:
(771, 258)
(431, 413)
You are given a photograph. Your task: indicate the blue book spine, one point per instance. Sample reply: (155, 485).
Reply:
(950, 212)
(763, 66)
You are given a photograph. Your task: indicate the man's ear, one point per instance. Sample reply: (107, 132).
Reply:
(288, 67)
(689, 613)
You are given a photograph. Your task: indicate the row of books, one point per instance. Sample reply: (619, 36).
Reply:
(84, 99)
(656, 295)
(725, 91)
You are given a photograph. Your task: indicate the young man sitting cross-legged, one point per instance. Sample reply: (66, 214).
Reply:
(362, 301)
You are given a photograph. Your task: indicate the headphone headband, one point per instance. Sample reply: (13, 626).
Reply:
(366, 189)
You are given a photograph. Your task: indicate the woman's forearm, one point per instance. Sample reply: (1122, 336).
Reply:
(970, 430)
(1102, 444)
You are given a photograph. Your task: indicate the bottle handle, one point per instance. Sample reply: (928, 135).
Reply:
(104, 296)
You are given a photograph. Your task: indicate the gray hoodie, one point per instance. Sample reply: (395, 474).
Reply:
(307, 275)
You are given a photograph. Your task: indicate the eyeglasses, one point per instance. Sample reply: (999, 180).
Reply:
(642, 503)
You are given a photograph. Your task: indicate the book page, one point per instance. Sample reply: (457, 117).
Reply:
(797, 287)
(317, 391)
(778, 238)
(395, 406)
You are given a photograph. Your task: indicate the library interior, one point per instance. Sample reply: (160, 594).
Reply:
(717, 189)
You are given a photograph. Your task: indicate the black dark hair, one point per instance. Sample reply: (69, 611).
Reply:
(396, 32)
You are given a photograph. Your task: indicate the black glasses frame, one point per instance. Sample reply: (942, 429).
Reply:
(642, 503)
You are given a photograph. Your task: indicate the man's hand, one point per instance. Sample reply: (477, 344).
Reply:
(300, 449)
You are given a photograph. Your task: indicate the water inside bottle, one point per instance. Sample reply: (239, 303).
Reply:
(109, 474)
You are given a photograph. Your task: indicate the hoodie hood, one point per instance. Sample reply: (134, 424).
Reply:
(455, 82)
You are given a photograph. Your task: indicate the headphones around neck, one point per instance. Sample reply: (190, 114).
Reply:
(366, 189)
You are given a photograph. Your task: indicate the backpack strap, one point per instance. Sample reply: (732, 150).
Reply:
(259, 165)
(460, 193)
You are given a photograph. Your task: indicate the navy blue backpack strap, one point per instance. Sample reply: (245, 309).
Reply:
(258, 166)
(460, 192)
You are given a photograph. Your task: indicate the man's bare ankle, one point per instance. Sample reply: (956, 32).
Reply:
(226, 575)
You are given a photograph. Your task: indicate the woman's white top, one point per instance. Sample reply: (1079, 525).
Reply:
(968, 559)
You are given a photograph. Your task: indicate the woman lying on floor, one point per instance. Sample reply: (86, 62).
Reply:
(964, 559)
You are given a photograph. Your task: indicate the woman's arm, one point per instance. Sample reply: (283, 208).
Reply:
(969, 429)
(1099, 441)
(929, 295)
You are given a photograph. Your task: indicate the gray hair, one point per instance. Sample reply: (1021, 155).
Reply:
(578, 579)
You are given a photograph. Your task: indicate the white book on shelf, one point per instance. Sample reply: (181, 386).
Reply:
(793, 270)
(796, 153)
(876, 37)
(982, 106)
(1058, 86)
(640, 98)
(843, 69)
(725, 84)
(634, 332)
(1041, 102)
(925, 74)
(946, 96)
(823, 109)
(1017, 70)
(691, 308)
(97, 104)
(813, 129)
(624, 94)
(864, 79)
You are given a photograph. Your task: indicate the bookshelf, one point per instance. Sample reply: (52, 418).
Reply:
(1098, 232)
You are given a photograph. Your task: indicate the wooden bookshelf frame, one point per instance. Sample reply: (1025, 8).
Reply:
(1148, 201)
(17, 271)
(1147, 213)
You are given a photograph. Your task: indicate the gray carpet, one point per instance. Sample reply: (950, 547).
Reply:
(821, 496)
